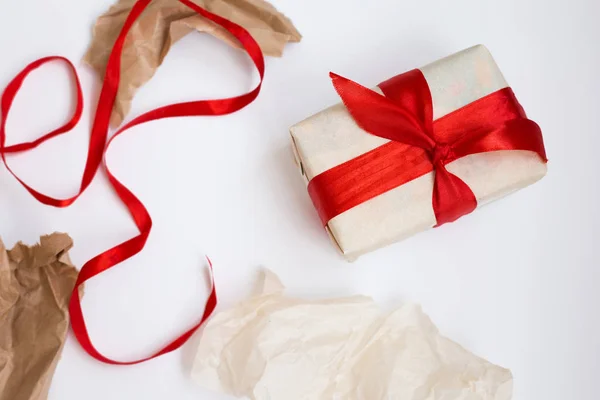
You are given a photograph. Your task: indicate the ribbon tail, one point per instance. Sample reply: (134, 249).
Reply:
(380, 116)
(452, 198)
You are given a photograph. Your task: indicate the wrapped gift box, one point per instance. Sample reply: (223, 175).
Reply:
(332, 137)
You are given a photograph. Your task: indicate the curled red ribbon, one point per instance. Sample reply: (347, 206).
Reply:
(98, 148)
(418, 144)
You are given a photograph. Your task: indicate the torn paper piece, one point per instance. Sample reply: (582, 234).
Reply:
(35, 287)
(273, 347)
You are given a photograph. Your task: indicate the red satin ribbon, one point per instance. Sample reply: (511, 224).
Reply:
(418, 144)
(98, 148)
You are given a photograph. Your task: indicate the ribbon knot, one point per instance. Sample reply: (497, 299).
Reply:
(419, 145)
(440, 154)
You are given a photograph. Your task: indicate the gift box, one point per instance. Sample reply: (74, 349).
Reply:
(419, 150)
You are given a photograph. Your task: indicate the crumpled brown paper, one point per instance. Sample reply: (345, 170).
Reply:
(35, 288)
(163, 23)
(276, 347)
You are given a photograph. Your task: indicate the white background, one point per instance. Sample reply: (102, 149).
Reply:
(516, 282)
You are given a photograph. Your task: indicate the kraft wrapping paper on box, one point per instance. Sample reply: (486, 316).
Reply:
(274, 347)
(331, 137)
(35, 287)
(163, 23)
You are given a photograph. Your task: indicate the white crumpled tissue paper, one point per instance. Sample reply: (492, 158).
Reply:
(273, 347)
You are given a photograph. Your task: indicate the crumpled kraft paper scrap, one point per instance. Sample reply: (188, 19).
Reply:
(273, 347)
(35, 287)
(163, 23)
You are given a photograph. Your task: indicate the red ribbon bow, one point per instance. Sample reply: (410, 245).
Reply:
(418, 144)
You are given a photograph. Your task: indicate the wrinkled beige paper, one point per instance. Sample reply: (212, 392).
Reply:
(35, 288)
(274, 347)
(163, 23)
(331, 137)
